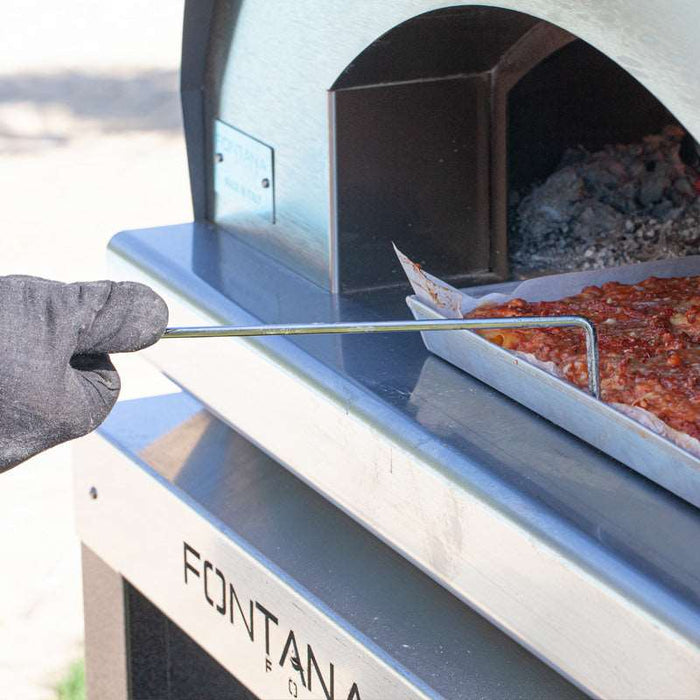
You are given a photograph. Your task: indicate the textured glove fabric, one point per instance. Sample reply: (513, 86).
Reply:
(56, 379)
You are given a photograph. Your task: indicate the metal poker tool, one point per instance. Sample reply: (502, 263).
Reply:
(592, 358)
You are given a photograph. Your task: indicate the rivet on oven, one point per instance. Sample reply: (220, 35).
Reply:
(265, 183)
(218, 157)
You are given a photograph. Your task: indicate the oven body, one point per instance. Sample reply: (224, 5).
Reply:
(351, 517)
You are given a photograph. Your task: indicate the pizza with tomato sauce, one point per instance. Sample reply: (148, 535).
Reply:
(649, 343)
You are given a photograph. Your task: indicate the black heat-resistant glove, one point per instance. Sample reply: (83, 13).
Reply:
(56, 380)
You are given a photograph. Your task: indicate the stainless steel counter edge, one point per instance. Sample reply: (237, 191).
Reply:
(611, 630)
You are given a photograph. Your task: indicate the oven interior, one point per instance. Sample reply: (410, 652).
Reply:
(443, 127)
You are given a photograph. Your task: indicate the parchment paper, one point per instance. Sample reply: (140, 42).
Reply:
(454, 303)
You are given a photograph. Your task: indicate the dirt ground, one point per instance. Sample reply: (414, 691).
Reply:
(90, 144)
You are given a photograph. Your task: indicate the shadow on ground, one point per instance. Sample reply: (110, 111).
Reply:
(53, 104)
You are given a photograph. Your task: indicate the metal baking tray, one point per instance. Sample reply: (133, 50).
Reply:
(562, 403)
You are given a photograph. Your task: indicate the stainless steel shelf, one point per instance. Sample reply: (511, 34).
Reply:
(178, 503)
(586, 563)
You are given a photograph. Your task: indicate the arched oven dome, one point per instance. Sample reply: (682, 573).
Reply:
(271, 77)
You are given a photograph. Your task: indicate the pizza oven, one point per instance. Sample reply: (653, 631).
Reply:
(351, 516)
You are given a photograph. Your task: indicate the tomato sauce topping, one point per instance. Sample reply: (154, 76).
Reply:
(648, 336)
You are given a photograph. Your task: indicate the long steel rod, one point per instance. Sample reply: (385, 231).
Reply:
(406, 326)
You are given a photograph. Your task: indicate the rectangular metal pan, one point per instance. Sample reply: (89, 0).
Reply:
(570, 408)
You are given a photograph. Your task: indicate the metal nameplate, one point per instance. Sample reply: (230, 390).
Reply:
(255, 621)
(243, 174)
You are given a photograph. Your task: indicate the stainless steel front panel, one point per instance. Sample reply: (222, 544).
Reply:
(284, 590)
(585, 562)
(246, 614)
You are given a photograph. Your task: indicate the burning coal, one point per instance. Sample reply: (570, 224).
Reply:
(623, 204)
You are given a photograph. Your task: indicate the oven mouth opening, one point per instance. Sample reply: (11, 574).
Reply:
(490, 145)
(600, 174)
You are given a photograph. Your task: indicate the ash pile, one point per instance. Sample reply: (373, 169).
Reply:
(624, 204)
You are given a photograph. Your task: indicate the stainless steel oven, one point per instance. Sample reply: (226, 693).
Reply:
(352, 517)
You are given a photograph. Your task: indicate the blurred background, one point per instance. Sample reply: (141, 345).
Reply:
(90, 144)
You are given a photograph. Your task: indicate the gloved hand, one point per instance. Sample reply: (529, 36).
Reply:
(56, 379)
